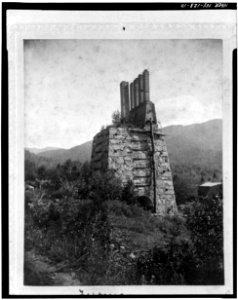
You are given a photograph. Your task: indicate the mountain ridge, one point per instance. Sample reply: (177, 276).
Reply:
(185, 143)
(36, 150)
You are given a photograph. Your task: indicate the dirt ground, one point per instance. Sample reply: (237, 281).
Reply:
(39, 270)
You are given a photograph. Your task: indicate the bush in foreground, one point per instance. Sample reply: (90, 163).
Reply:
(109, 237)
(205, 222)
(170, 265)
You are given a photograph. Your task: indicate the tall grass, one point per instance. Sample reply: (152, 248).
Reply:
(106, 237)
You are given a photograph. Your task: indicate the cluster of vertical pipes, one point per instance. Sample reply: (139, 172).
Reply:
(138, 94)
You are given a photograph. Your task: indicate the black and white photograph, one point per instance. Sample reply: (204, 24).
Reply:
(123, 162)
(124, 169)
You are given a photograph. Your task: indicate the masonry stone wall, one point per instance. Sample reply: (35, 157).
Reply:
(136, 150)
(99, 159)
(127, 151)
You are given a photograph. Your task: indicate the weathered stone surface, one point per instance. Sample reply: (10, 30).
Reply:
(140, 155)
(100, 151)
(166, 176)
(112, 131)
(141, 191)
(142, 181)
(127, 149)
(143, 163)
(101, 148)
(128, 152)
(139, 144)
(141, 172)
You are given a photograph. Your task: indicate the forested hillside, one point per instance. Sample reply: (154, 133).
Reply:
(39, 150)
(195, 153)
(80, 153)
(199, 144)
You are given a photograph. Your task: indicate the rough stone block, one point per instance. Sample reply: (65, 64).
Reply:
(141, 172)
(143, 163)
(140, 155)
(128, 152)
(142, 181)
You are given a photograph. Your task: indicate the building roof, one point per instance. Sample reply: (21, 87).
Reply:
(210, 184)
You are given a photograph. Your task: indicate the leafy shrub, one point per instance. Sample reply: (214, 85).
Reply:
(183, 261)
(79, 230)
(60, 193)
(128, 193)
(106, 187)
(168, 265)
(90, 229)
(205, 222)
(83, 189)
(119, 208)
(100, 186)
(121, 269)
(28, 199)
(116, 118)
(40, 215)
(30, 170)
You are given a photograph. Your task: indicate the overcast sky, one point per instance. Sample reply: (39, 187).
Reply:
(72, 86)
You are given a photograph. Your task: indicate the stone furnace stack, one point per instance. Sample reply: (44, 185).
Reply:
(136, 149)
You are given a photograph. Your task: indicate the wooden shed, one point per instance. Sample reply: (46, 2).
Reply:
(210, 189)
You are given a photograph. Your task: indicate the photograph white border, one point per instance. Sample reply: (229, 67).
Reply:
(23, 25)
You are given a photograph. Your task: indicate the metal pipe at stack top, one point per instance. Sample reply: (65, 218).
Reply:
(127, 100)
(123, 107)
(146, 85)
(141, 89)
(132, 98)
(124, 88)
(136, 92)
(134, 89)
